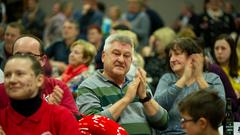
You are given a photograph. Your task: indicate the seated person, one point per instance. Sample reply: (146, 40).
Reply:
(202, 112)
(109, 92)
(80, 57)
(225, 55)
(58, 51)
(28, 113)
(187, 74)
(55, 91)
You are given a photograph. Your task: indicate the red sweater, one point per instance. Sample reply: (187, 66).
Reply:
(48, 120)
(48, 86)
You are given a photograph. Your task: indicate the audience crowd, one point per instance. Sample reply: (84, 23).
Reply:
(128, 66)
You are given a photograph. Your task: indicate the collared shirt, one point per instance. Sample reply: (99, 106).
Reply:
(97, 93)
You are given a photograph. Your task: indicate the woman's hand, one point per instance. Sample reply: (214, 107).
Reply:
(188, 71)
(187, 74)
(198, 64)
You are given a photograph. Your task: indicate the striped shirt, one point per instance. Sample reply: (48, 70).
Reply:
(96, 94)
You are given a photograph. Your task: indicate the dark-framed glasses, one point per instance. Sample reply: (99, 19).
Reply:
(28, 53)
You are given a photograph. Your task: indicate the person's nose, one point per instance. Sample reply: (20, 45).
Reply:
(182, 125)
(121, 58)
(71, 54)
(12, 78)
(219, 51)
(172, 58)
(7, 37)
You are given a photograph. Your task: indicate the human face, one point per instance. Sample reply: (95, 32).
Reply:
(10, 35)
(190, 126)
(184, 10)
(222, 51)
(178, 60)
(94, 36)
(69, 30)
(20, 81)
(30, 46)
(56, 8)
(68, 10)
(32, 4)
(76, 55)
(133, 6)
(215, 4)
(114, 13)
(117, 59)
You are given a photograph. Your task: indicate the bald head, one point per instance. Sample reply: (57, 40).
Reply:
(28, 44)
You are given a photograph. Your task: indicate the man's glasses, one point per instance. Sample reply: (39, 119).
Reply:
(183, 120)
(28, 53)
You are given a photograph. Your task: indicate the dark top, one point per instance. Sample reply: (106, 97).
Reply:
(58, 51)
(156, 21)
(211, 28)
(193, 22)
(27, 107)
(155, 68)
(98, 57)
(4, 55)
(36, 25)
(90, 18)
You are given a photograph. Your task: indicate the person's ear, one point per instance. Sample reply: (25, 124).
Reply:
(43, 60)
(86, 60)
(203, 123)
(103, 56)
(40, 80)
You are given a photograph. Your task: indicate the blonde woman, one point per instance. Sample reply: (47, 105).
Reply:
(156, 62)
(80, 57)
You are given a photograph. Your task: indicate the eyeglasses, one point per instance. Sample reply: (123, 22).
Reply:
(28, 53)
(183, 120)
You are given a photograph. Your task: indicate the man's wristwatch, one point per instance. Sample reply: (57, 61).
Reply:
(147, 98)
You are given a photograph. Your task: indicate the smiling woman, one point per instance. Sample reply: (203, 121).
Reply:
(187, 75)
(23, 84)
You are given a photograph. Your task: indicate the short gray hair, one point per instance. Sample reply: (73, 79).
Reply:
(119, 38)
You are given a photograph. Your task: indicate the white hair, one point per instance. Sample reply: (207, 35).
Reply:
(119, 38)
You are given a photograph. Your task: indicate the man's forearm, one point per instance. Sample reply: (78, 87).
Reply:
(156, 115)
(151, 107)
(117, 108)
